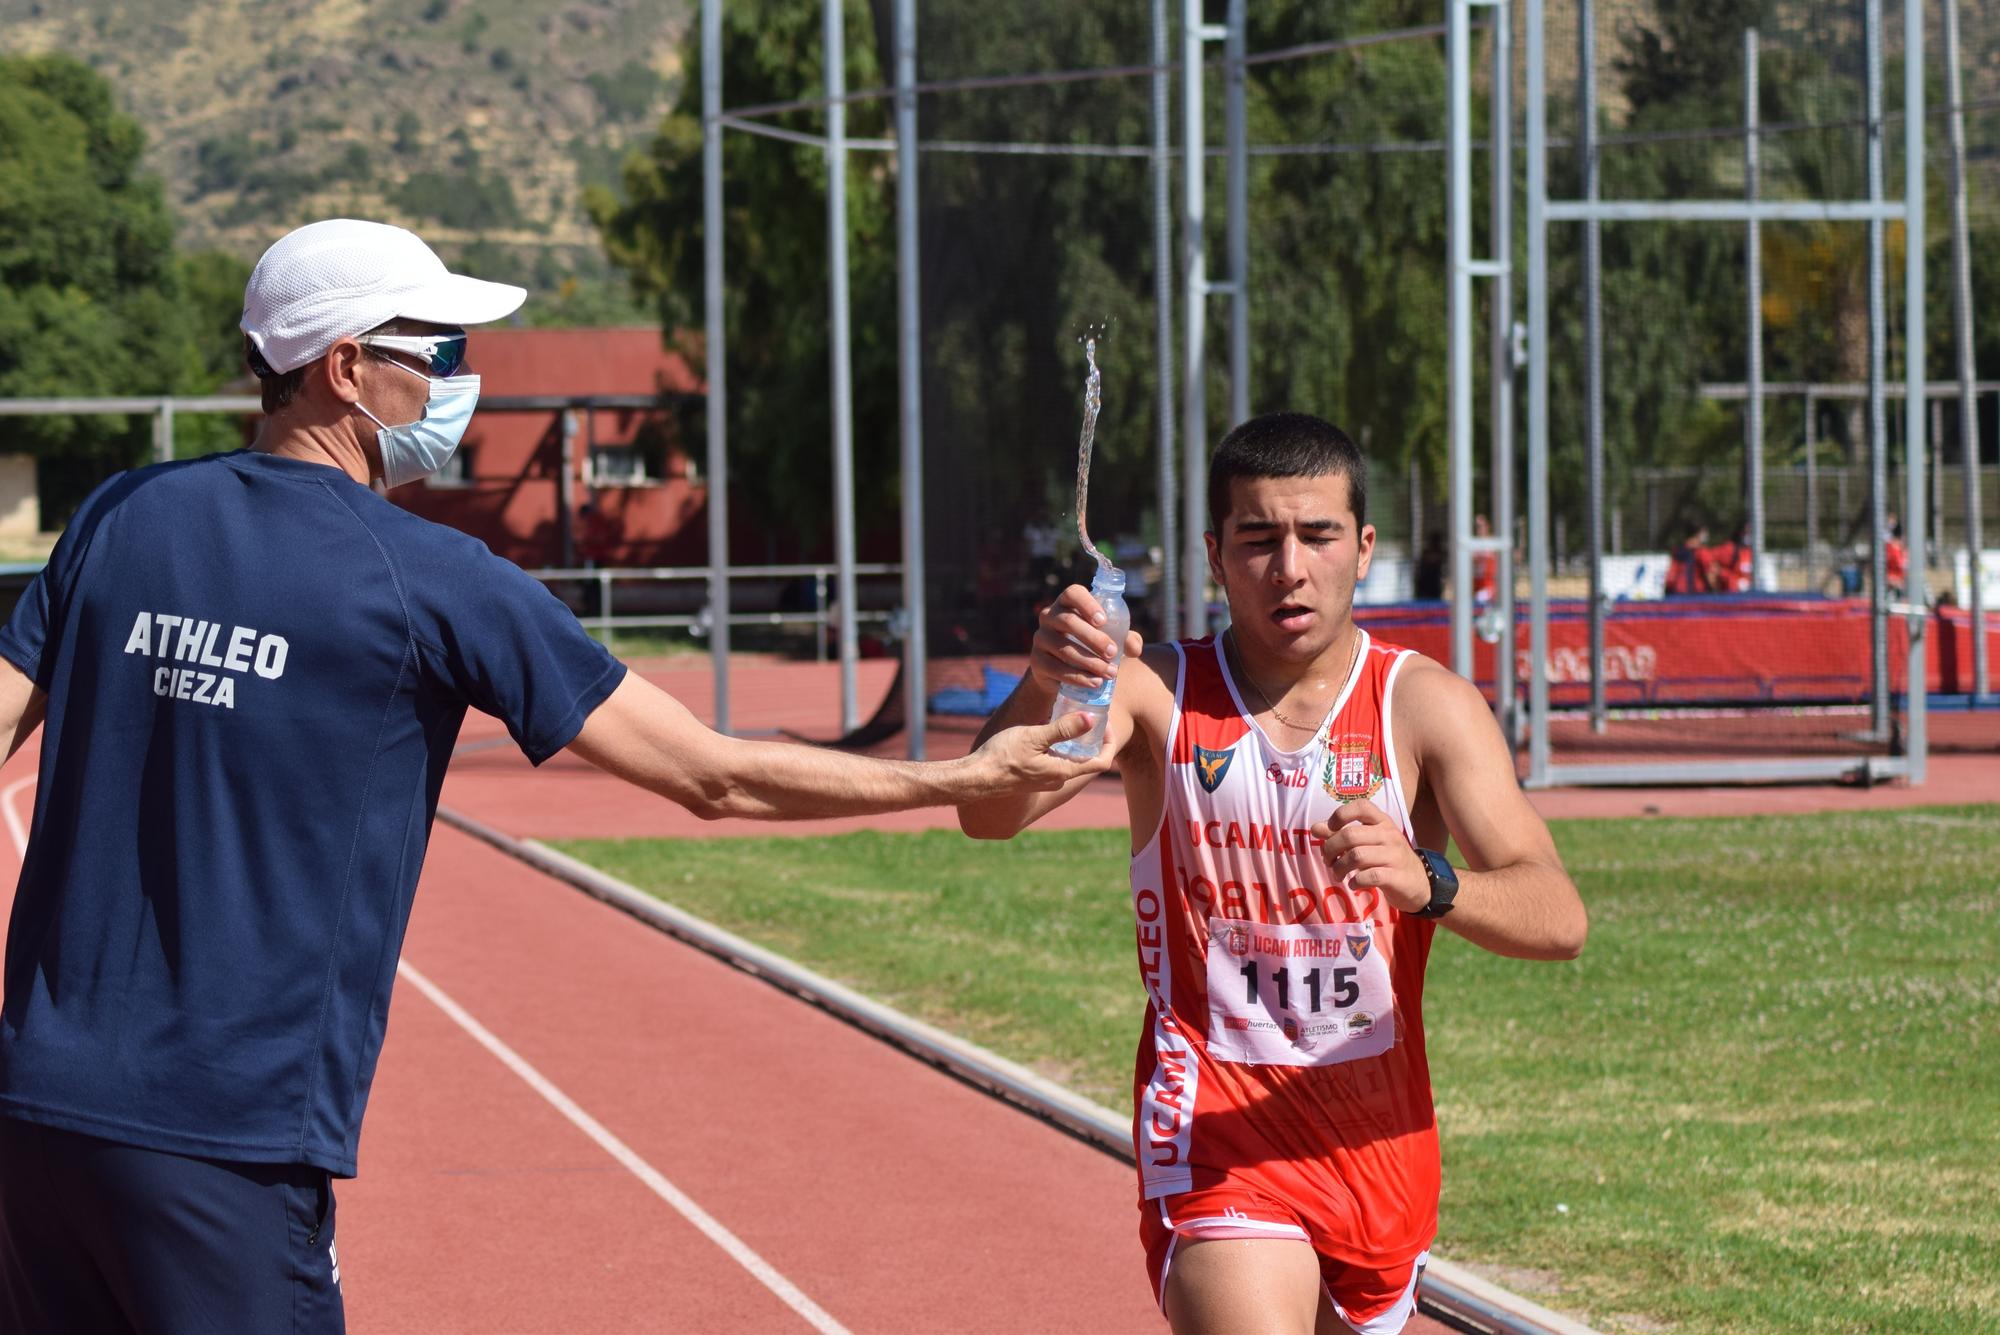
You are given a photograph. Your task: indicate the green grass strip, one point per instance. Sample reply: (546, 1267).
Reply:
(1767, 1098)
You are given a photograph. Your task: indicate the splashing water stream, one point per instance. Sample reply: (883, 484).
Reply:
(1093, 401)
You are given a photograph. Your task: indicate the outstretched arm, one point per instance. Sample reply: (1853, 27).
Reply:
(21, 705)
(1514, 897)
(646, 737)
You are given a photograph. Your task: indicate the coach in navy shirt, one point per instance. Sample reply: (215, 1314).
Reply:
(251, 670)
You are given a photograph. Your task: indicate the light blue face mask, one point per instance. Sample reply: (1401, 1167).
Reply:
(420, 448)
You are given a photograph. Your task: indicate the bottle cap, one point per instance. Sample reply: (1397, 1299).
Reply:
(1108, 579)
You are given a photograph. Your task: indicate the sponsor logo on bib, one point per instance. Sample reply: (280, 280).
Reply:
(1357, 946)
(1237, 942)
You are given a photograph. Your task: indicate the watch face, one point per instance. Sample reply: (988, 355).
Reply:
(1444, 883)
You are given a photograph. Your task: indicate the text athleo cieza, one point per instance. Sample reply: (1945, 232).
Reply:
(204, 644)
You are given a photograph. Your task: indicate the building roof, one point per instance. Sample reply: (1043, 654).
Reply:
(622, 360)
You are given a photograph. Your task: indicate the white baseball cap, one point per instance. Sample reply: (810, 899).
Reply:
(335, 279)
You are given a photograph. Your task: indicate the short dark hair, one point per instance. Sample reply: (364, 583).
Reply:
(1286, 445)
(279, 388)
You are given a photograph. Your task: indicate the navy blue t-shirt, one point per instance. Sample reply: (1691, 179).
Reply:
(256, 670)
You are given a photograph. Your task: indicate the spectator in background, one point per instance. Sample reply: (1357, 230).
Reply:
(1689, 570)
(1732, 565)
(1485, 566)
(1895, 557)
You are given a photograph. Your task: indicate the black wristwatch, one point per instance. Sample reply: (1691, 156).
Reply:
(1444, 884)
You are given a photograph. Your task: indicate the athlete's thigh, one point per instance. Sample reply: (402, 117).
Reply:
(1235, 1286)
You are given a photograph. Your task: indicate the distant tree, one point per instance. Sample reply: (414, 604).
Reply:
(90, 296)
(1347, 251)
(775, 255)
(465, 200)
(409, 131)
(628, 92)
(211, 284)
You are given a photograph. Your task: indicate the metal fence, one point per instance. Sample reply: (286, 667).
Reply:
(594, 593)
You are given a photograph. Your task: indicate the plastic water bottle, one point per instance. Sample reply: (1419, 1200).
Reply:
(1108, 587)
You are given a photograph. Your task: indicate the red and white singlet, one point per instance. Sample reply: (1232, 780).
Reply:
(1281, 1088)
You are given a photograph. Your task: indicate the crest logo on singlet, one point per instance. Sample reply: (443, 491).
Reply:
(1352, 771)
(1210, 766)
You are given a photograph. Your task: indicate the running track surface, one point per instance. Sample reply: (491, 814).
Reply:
(836, 1182)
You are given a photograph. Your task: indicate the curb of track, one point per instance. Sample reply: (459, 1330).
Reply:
(1450, 1292)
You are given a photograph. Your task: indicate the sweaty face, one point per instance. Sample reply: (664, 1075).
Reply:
(1288, 559)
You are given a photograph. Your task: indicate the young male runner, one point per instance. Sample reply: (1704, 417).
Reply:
(1290, 785)
(253, 670)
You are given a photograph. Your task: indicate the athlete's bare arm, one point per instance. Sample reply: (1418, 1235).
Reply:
(646, 737)
(1514, 897)
(21, 705)
(1134, 734)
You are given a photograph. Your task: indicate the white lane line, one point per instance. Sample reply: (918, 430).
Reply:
(624, 1154)
(15, 829)
(766, 1274)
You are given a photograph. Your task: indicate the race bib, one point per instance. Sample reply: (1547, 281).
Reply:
(1303, 994)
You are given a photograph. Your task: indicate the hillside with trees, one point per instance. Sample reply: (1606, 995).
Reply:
(478, 122)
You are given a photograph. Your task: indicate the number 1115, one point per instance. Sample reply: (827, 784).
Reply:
(1346, 991)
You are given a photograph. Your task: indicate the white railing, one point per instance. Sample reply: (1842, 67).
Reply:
(604, 618)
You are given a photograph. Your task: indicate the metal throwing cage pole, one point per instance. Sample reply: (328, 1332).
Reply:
(842, 368)
(1500, 373)
(1961, 293)
(1463, 268)
(1236, 135)
(1878, 410)
(910, 338)
(1593, 347)
(1876, 211)
(715, 352)
(1916, 597)
(1194, 300)
(1163, 325)
(1197, 289)
(1538, 396)
(1753, 414)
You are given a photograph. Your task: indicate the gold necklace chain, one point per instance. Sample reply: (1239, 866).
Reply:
(1346, 672)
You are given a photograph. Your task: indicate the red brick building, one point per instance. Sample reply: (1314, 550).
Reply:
(628, 463)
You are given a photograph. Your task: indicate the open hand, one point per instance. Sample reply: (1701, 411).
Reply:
(1364, 847)
(1018, 760)
(1070, 648)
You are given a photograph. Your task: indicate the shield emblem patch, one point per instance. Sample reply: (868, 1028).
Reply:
(1210, 767)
